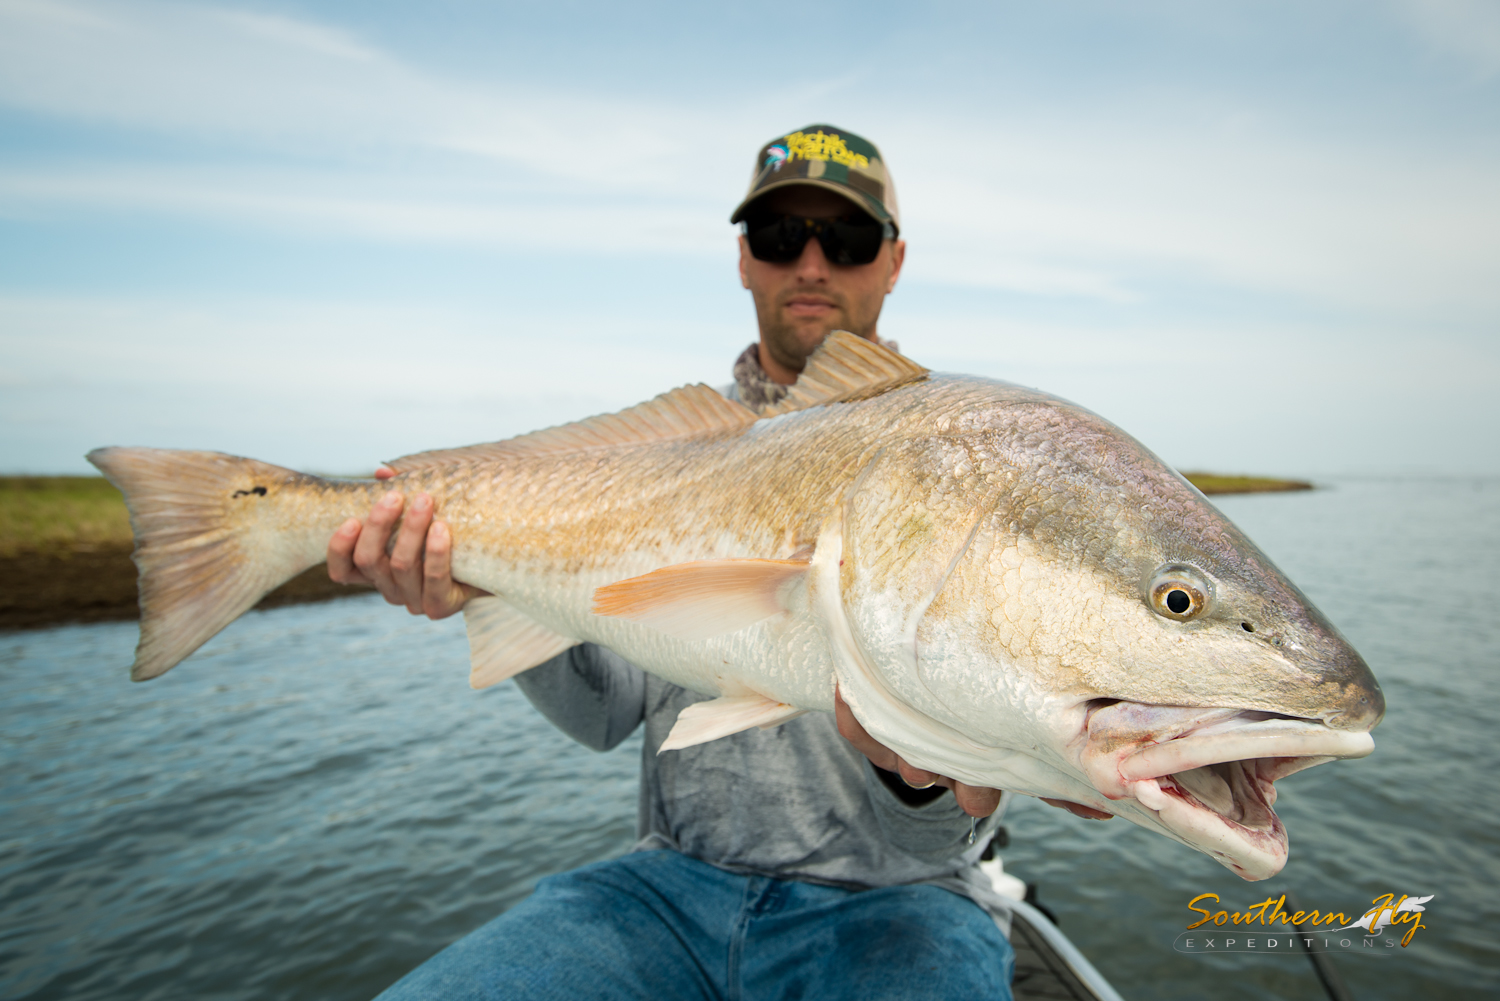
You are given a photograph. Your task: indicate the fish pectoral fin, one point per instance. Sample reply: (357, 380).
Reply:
(694, 601)
(504, 641)
(704, 721)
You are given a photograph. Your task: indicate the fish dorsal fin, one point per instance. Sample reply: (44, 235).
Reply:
(683, 413)
(504, 641)
(846, 367)
(704, 721)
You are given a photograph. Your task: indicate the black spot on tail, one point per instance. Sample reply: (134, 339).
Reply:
(257, 491)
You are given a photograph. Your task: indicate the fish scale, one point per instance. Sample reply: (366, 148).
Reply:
(977, 568)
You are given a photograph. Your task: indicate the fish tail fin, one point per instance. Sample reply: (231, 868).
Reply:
(213, 535)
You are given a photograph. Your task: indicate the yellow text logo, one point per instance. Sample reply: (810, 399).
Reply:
(1389, 911)
(822, 146)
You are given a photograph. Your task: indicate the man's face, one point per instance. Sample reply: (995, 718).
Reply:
(798, 303)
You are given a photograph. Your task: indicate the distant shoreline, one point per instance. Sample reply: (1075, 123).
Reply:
(1218, 483)
(65, 550)
(97, 584)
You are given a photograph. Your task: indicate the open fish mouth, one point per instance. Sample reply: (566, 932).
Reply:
(1209, 774)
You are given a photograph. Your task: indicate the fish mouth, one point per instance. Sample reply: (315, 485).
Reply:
(1209, 775)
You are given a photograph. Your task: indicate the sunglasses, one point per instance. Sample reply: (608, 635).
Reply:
(780, 239)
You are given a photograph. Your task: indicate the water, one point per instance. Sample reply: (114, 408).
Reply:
(317, 802)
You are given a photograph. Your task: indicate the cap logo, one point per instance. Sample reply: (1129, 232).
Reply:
(822, 155)
(817, 146)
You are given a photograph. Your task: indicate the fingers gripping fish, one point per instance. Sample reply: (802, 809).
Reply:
(1004, 587)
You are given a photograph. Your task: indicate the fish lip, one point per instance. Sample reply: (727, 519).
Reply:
(1244, 738)
(1231, 756)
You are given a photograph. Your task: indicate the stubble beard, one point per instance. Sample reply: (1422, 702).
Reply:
(791, 342)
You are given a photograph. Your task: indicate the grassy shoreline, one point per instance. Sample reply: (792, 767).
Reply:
(1218, 483)
(60, 514)
(65, 550)
(65, 547)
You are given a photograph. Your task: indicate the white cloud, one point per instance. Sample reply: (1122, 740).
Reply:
(1096, 206)
(301, 88)
(1148, 215)
(300, 34)
(309, 204)
(1466, 28)
(319, 385)
(341, 385)
(1235, 395)
(1103, 209)
(1092, 207)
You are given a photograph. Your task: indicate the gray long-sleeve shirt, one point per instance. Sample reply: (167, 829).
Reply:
(794, 802)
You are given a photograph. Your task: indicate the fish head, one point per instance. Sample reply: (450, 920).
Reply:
(1033, 601)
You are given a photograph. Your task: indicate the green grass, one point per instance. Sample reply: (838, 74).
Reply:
(60, 513)
(1215, 483)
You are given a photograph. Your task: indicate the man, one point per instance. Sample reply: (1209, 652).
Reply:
(804, 861)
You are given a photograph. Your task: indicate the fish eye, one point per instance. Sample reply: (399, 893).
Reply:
(1179, 592)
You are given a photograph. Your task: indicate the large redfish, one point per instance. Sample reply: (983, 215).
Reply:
(1005, 588)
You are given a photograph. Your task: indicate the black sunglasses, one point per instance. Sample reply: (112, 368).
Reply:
(780, 239)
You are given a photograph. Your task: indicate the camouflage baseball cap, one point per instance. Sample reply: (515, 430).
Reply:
(825, 157)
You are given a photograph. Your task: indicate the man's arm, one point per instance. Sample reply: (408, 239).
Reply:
(590, 693)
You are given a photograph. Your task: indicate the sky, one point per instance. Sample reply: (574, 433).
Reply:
(1261, 237)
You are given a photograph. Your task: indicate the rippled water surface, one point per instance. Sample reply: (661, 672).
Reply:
(316, 801)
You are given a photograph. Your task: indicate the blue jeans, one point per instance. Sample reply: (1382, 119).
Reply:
(662, 926)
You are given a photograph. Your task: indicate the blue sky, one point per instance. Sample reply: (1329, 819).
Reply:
(1261, 237)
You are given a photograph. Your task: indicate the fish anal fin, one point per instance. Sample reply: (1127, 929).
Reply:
(705, 721)
(695, 601)
(846, 367)
(683, 413)
(504, 641)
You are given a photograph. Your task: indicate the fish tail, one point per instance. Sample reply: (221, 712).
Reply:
(215, 533)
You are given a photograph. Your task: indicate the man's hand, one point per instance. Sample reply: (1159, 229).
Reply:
(976, 801)
(417, 572)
